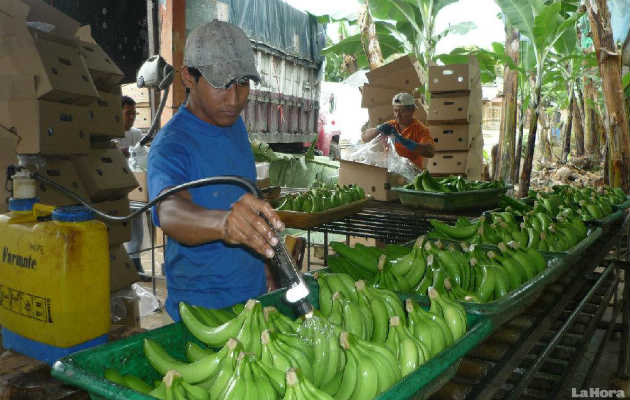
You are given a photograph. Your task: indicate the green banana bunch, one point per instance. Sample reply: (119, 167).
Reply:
(425, 326)
(410, 269)
(278, 353)
(331, 283)
(174, 387)
(328, 358)
(392, 302)
(194, 352)
(278, 321)
(452, 312)
(299, 388)
(243, 384)
(216, 384)
(385, 278)
(195, 372)
(218, 335)
(410, 351)
(370, 369)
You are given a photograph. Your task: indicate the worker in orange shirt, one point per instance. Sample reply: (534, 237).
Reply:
(411, 137)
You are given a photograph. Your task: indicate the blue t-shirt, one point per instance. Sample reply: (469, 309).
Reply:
(213, 275)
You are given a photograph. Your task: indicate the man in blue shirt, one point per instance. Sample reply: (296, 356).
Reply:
(217, 239)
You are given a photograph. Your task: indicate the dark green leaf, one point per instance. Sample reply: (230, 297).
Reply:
(625, 81)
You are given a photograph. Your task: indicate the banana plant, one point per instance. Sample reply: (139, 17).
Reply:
(544, 25)
(415, 21)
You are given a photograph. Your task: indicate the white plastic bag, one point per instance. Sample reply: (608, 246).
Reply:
(381, 152)
(138, 158)
(148, 302)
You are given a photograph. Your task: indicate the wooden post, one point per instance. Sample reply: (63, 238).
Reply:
(172, 16)
(609, 59)
(507, 135)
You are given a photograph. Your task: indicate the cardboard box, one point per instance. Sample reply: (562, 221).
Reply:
(448, 162)
(141, 193)
(50, 67)
(105, 174)
(143, 118)
(105, 73)
(8, 156)
(455, 110)
(376, 181)
(454, 77)
(46, 127)
(403, 74)
(474, 162)
(62, 24)
(63, 172)
(453, 137)
(139, 95)
(119, 232)
(122, 271)
(372, 96)
(104, 116)
(384, 113)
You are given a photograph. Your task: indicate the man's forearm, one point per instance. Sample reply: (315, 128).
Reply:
(189, 223)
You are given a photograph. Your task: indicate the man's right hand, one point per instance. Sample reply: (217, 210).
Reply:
(244, 225)
(386, 129)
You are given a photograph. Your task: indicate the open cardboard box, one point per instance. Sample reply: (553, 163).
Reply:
(46, 127)
(119, 232)
(105, 73)
(105, 174)
(104, 116)
(454, 137)
(376, 181)
(403, 74)
(456, 109)
(63, 172)
(454, 77)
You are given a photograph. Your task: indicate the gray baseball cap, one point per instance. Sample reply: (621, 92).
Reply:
(221, 52)
(403, 99)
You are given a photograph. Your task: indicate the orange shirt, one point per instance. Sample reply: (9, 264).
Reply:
(417, 132)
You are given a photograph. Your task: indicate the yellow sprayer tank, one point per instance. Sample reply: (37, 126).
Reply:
(54, 278)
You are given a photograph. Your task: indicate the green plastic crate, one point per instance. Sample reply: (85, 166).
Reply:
(474, 199)
(85, 369)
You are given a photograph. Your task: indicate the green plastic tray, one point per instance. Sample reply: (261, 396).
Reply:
(474, 199)
(84, 369)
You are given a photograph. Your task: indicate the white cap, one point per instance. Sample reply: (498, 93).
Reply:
(403, 99)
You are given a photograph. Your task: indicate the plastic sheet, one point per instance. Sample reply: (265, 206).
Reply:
(269, 22)
(380, 152)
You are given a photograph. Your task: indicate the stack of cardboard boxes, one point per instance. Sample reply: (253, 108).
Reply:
(60, 96)
(455, 119)
(401, 75)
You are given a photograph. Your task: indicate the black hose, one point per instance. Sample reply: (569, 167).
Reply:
(192, 184)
